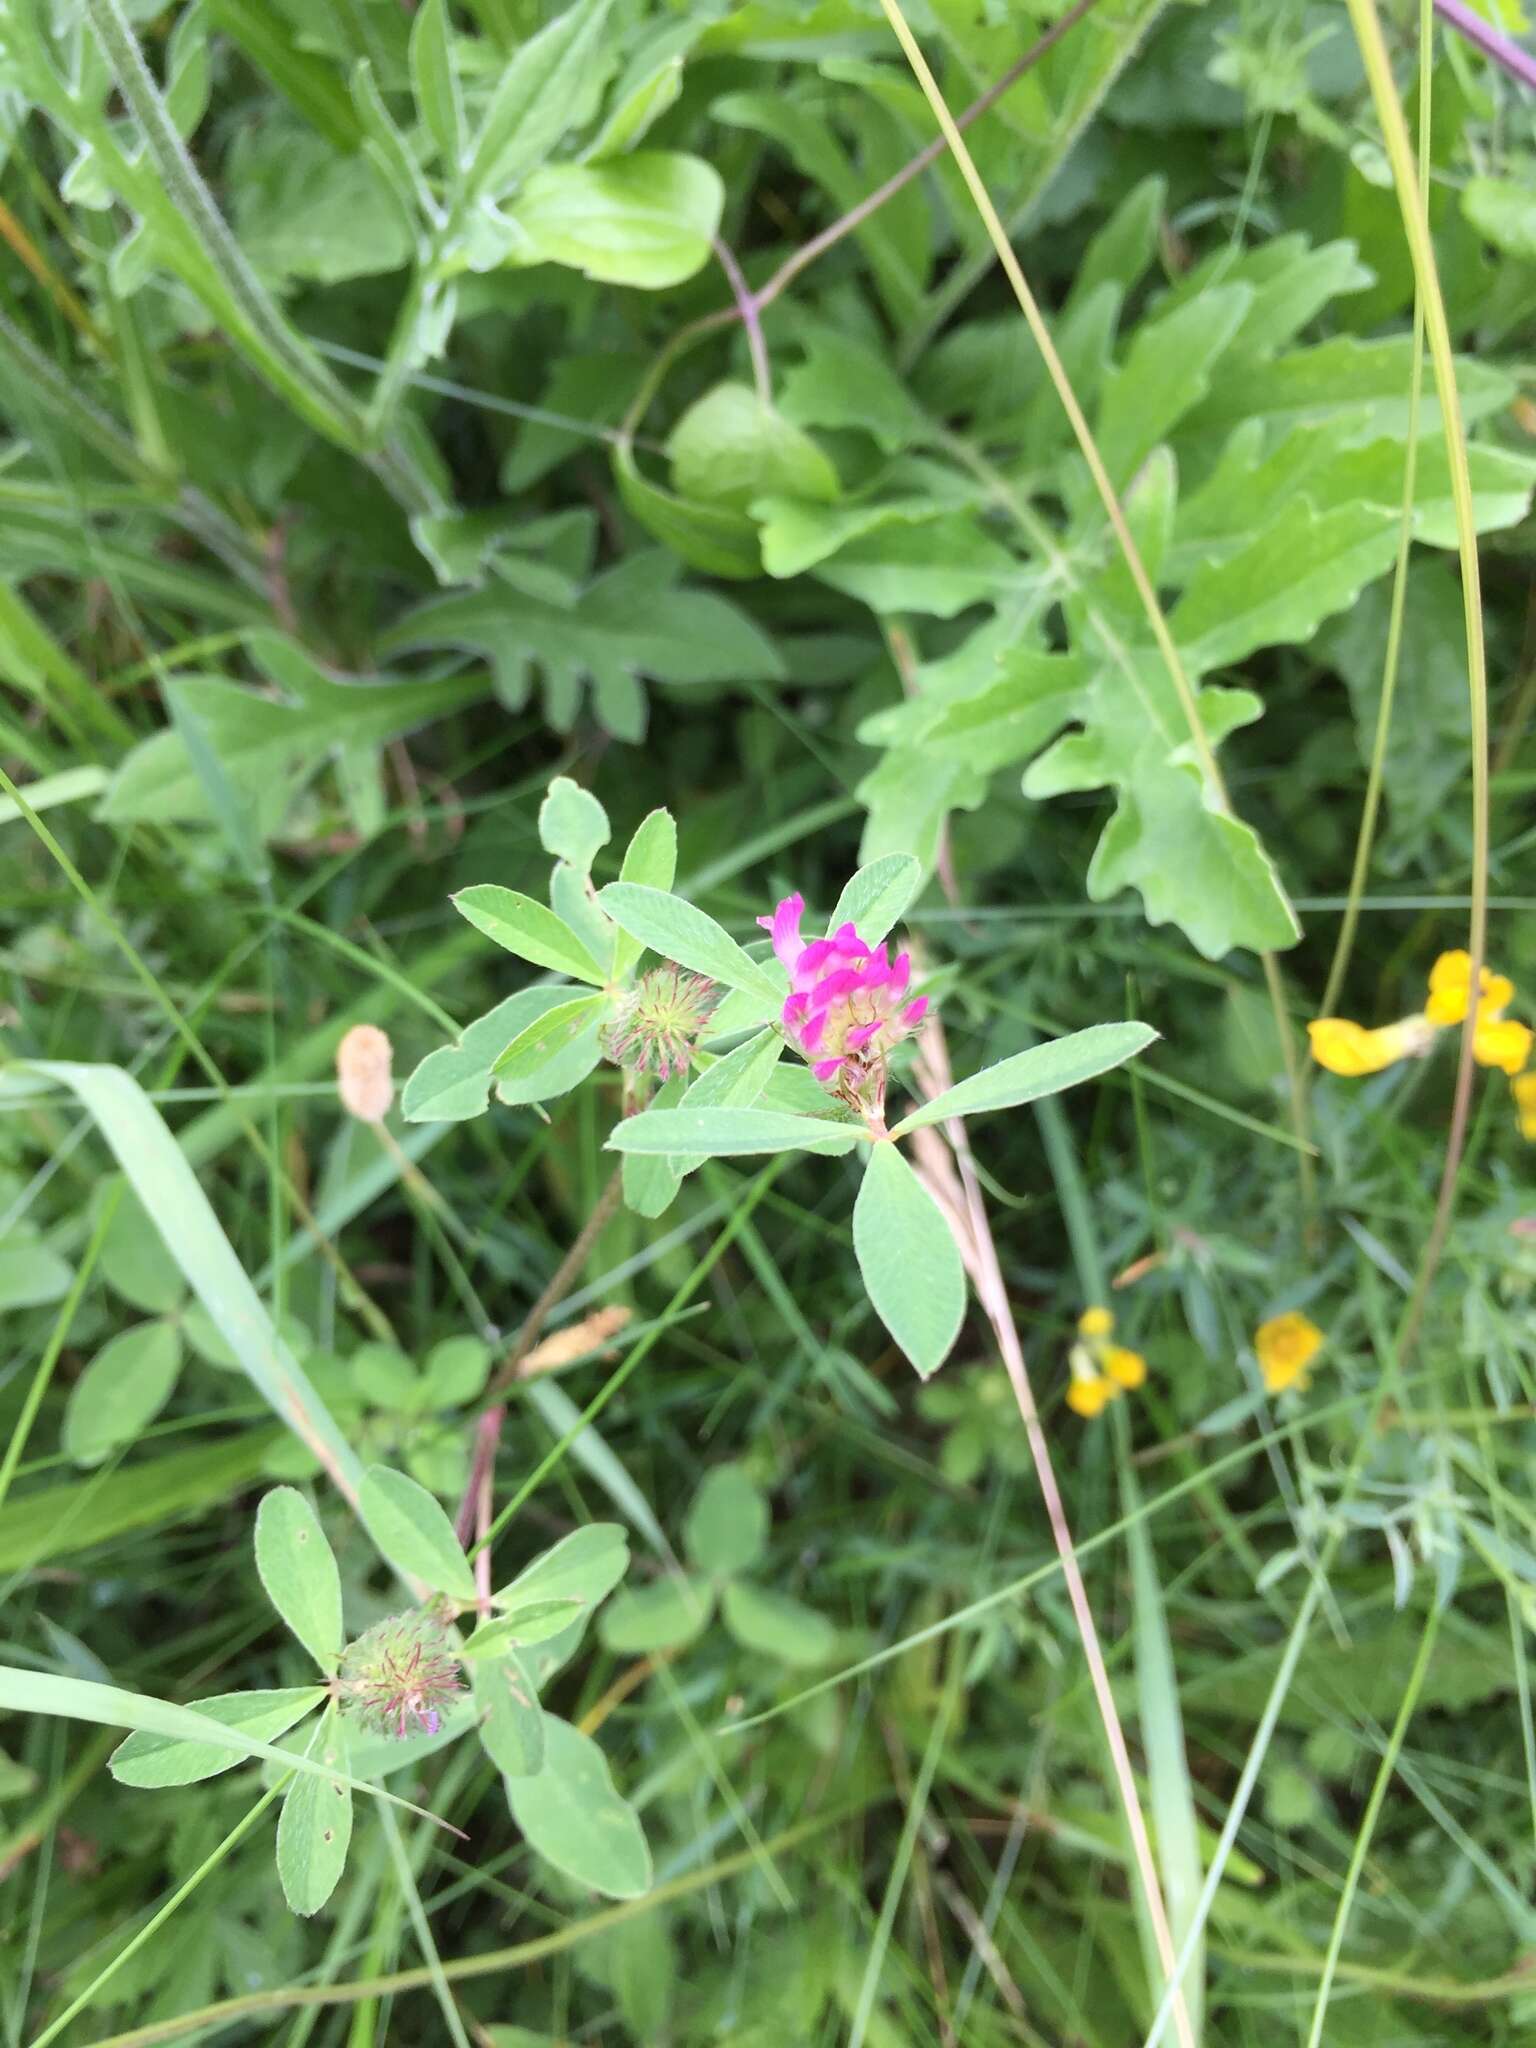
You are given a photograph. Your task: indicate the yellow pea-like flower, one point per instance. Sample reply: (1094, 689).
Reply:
(1090, 1397)
(1125, 1368)
(1450, 989)
(1095, 1322)
(1352, 1050)
(1523, 1088)
(1501, 1042)
(1285, 1346)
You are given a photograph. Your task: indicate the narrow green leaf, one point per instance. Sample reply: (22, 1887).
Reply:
(877, 897)
(728, 1133)
(538, 1044)
(169, 1190)
(413, 1532)
(150, 1760)
(650, 859)
(536, 98)
(299, 1573)
(1175, 1817)
(108, 1706)
(735, 1081)
(678, 930)
(61, 1521)
(436, 84)
(1041, 1070)
(455, 1081)
(121, 1391)
(527, 929)
(573, 1816)
(314, 1831)
(651, 1180)
(909, 1260)
(525, 1625)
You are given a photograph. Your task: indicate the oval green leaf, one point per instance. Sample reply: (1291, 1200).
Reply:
(727, 1527)
(151, 1760)
(413, 1533)
(909, 1260)
(314, 1832)
(573, 1816)
(121, 1391)
(511, 1724)
(1041, 1070)
(296, 1567)
(680, 931)
(526, 928)
(774, 1625)
(730, 1133)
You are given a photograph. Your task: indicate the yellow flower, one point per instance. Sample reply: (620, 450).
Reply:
(1450, 988)
(1125, 1368)
(1286, 1346)
(1090, 1397)
(1523, 1088)
(1352, 1050)
(1501, 1042)
(1100, 1369)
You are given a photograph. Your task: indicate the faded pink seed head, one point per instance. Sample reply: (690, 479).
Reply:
(848, 1002)
(363, 1078)
(657, 1025)
(398, 1677)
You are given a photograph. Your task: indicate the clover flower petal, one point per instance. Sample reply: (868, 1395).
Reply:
(847, 1004)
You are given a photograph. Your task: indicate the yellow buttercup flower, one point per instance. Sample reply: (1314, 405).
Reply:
(1352, 1050)
(1095, 1322)
(1450, 989)
(1286, 1346)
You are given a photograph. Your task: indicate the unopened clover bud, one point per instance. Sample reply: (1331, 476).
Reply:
(398, 1677)
(363, 1078)
(658, 1023)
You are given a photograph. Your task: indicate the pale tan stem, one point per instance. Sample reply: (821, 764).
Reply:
(979, 1252)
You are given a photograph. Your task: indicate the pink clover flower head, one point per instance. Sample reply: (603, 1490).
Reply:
(397, 1678)
(848, 1002)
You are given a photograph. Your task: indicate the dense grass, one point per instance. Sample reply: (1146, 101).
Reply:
(375, 460)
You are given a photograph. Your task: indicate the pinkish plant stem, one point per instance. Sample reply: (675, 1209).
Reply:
(965, 1212)
(1509, 55)
(747, 308)
(488, 1429)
